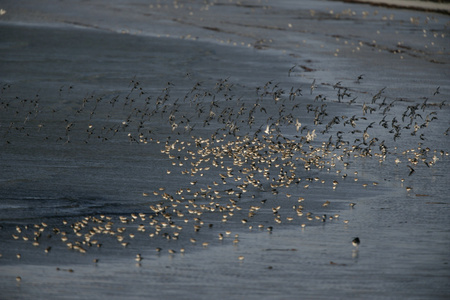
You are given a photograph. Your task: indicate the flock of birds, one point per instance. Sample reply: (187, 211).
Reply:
(237, 155)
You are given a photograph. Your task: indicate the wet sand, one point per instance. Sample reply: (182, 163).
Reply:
(112, 135)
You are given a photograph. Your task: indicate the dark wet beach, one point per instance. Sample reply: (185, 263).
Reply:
(154, 150)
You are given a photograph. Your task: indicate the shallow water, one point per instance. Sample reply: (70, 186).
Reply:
(100, 118)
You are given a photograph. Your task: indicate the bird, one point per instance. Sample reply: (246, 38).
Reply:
(298, 125)
(360, 77)
(313, 86)
(356, 242)
(411, 170)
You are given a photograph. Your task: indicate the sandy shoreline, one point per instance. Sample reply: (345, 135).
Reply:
(429, 6)
(137, 135)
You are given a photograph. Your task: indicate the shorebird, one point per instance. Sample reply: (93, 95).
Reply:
(298, 125)
(313, 86)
